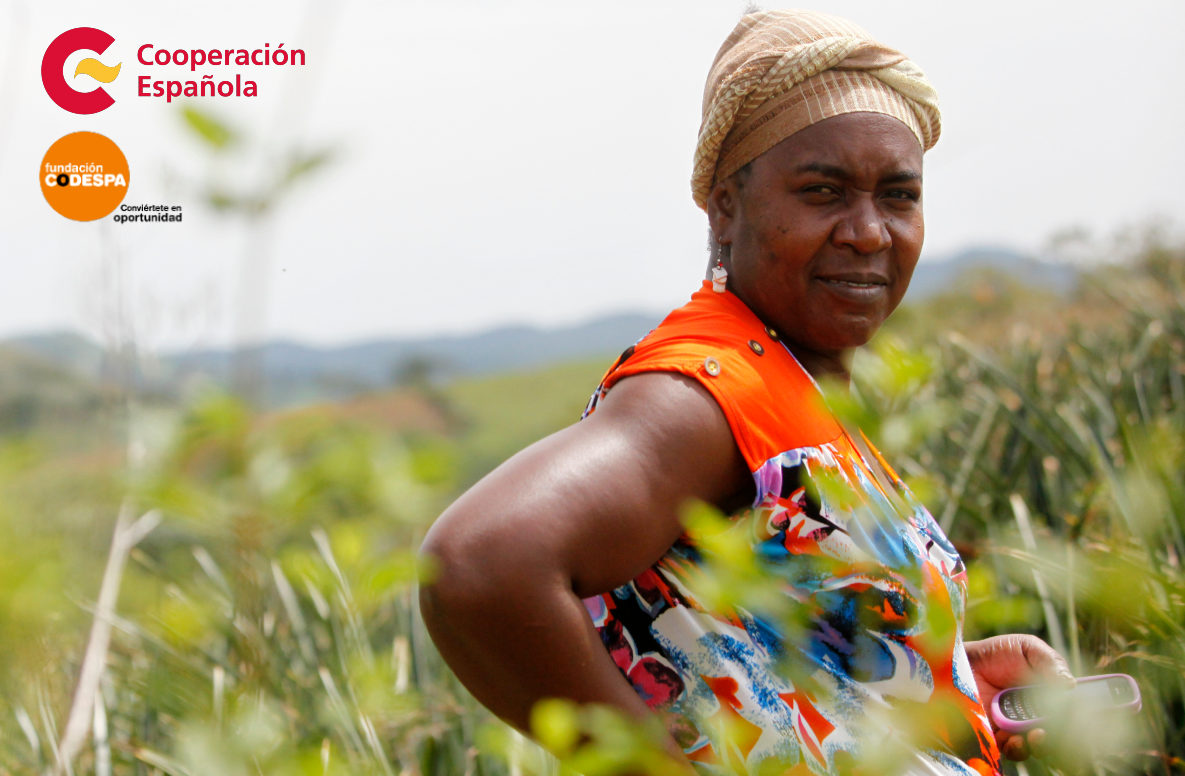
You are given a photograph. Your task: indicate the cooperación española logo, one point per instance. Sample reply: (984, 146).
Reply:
(53, 77)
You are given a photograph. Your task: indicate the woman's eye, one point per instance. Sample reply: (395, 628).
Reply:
(907, 195)
(821, 190)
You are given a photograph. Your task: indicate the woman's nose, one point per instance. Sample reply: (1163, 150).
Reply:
(863, 227)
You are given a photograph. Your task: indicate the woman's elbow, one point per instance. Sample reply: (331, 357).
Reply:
(444, 591)
(465, 572)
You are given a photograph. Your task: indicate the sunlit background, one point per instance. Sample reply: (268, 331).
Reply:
(443, 227)
(528, 161)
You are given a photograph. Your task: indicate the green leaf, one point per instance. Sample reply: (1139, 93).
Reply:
(304, 163)
(555, 724)
(215, 133)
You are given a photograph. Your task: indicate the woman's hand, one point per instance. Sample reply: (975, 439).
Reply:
(1010, 661)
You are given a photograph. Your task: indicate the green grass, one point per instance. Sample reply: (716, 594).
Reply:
(268, 623)
(505, 413)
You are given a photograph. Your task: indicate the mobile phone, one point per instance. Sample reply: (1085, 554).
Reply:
(1019, 709)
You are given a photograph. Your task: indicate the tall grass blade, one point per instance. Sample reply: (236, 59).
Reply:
(1025, 526)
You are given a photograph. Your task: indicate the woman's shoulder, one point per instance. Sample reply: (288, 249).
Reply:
(770, 402)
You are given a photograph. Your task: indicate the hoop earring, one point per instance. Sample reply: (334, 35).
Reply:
(719, 273)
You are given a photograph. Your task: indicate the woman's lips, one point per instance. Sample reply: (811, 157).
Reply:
(856, 287)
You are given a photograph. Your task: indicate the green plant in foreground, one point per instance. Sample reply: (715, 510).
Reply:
(266, 624)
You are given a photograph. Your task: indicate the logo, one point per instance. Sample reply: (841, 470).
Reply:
(84, 176)
(54, 62)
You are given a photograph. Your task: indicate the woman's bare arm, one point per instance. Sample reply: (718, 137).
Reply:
(576, 514)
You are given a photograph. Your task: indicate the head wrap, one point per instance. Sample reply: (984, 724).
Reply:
(781, 71)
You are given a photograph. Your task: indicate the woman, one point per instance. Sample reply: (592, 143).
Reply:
(567, 572)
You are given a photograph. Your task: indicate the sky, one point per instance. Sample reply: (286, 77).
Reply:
(527, 162)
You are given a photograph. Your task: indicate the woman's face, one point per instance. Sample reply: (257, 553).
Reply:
(825, 229)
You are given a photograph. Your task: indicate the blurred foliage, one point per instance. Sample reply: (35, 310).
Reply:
(269, 624)
(283, 172)
(217, 134)
(1052, 442)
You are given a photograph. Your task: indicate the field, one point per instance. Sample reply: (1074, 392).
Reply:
(202, 589)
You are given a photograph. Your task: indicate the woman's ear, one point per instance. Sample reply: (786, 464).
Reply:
(722, 205)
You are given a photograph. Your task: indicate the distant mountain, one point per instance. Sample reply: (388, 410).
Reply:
(65, 348)
(935, 277)
(35, 390)
(294, 373)
(379, 362)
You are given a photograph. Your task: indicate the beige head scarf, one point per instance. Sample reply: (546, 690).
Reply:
(781, 71)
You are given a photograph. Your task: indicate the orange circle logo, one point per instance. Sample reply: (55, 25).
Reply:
(84, 176)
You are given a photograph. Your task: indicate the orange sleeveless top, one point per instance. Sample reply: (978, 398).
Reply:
(867, 641)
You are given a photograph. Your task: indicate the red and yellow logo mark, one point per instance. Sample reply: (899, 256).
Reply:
(84, 176)
(54, 79)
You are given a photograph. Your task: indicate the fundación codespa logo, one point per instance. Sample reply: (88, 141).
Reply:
(53, 66)
(84, 176)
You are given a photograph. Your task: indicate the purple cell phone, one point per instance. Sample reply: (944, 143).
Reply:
(1019, 709)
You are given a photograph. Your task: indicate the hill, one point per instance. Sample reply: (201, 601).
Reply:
(294, 373)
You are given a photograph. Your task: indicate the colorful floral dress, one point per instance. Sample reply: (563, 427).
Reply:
(867, 651)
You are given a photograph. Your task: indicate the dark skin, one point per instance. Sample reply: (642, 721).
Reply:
(541, 526)
(823, 231)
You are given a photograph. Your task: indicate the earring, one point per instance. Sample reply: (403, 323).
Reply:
(719, 273)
